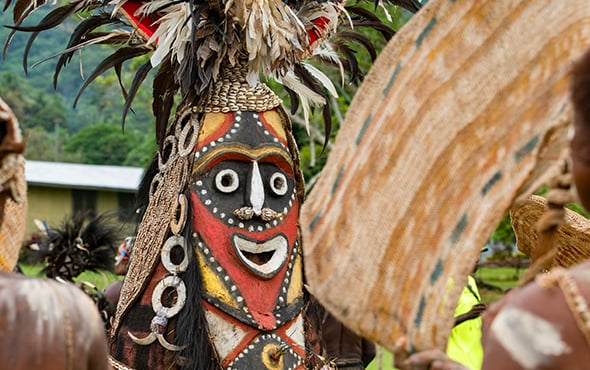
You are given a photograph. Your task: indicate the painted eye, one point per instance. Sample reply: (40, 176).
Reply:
(227, 181)
(278, 183)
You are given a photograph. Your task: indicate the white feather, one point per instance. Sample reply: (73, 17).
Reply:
(325, 51)
(117, 4)
(173, 33)
(322, 78)
(273, 35)
(307, 96)
(387, 14)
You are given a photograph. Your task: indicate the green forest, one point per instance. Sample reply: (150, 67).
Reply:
(55, 130)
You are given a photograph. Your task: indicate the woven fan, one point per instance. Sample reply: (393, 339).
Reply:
(446, 131)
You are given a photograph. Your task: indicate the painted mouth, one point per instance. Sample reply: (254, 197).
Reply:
(266, 258)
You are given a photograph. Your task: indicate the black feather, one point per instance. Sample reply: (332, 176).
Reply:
(327, 116)
(411, 5)
(164, 89)
(117, 68)
(117, 58)
(293, 99)
(79, 35)
(361, 39)
(310, 81)
(350, 58)
(362, 13)
(6, 5)
(199, 353)
(140, 76)
(52, 19)
(365, 18)
(386, 31)
(90, 242)
(22, 8)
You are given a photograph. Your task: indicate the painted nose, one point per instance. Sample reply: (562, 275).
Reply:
(256, 190)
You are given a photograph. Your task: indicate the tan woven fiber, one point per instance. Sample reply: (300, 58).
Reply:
(572, 239)
(13, 198)
(12, 227)
(442, 136)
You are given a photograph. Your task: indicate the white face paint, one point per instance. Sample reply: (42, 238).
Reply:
(529, 339)
(256, 190)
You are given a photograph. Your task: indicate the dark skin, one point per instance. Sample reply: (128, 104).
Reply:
(580, 146)
(548, 304)
(63, 330)
(113, 291)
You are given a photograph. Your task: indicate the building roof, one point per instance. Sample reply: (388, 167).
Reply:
(83, 176)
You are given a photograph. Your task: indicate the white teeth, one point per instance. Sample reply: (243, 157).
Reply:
(277, 245)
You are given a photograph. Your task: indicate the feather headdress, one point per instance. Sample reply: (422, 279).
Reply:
(81, 243)
(188, 41)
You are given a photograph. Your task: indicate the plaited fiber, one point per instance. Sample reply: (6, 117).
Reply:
(571, 240)
(445, 132)
(13, 189)
(12, 229)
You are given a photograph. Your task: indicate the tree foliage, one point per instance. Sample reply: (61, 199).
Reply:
(102, 143)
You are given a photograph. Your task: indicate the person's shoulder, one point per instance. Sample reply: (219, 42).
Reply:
(113, 291)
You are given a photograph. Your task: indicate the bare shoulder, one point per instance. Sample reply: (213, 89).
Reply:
(538, 325)
(61, 320)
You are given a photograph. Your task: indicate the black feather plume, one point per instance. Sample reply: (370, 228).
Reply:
(82, 243)
(140, 76)
(315, 86)
(164, 89)
(361, 39)
(350, 59)
(78, 37)
(293, 99)
(52, 19)
(411, 5)
(114, 60)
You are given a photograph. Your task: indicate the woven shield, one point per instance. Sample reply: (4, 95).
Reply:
(450, 126)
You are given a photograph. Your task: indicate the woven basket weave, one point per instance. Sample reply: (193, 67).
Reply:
(572, 239)
(13, 201)
(445, 132)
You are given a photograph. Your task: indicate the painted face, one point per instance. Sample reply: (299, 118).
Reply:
(245, 214)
